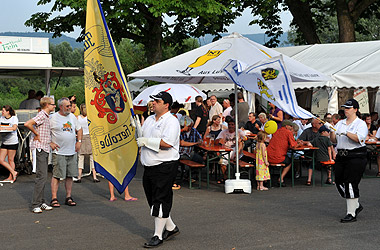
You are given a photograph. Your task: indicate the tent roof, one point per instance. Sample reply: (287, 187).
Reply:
(355, 64)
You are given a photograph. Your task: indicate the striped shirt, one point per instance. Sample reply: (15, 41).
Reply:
(42, 127)
(191, 136)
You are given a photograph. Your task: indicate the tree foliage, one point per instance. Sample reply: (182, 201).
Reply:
(143, 20)
(367, 28)
(131, 57)
(312, 18)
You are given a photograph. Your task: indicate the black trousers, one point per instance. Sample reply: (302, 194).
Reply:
(157, 182)
(348, 173)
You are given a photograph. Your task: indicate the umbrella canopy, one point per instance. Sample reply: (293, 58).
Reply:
(204, 64)
(182, 93)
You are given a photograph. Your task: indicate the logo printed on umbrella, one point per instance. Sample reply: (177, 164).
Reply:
(269, 73)
(264, 89)
(212, 53)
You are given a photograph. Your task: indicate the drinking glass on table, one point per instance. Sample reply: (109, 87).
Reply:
(207, 140)
(212, 140)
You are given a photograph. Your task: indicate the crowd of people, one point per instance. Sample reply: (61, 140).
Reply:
(64, 133)
(170, 133)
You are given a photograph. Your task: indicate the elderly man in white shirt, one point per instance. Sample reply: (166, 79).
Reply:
(216, 108)
(66, 137)
(159, 156)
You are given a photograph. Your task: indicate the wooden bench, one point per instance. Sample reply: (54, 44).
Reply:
(276, 165)
(199, 166)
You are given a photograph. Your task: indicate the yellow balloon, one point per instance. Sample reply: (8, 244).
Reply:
(270, 127)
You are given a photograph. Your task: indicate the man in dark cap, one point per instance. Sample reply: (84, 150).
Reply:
(159, 156)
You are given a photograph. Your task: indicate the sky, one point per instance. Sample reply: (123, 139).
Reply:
(16, 12)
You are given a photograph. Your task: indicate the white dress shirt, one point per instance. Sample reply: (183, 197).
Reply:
(357, 127)
(167, 128)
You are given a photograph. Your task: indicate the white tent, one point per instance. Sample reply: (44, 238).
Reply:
(204, 64)
(355, 64)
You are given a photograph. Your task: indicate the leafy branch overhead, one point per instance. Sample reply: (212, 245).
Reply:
(311, 18)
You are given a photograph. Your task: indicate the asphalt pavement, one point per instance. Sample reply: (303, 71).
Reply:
(282, 218)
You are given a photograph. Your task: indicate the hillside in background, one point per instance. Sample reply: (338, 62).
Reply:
(260, 38)
(74, 44)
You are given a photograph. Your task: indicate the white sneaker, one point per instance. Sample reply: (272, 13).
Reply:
(46, 207)
(37, 210)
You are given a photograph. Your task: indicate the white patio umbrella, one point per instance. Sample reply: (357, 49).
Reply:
(204, 64)
(182, 93)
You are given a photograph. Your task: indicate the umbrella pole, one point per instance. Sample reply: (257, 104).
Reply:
(237, 174)
(237, 185)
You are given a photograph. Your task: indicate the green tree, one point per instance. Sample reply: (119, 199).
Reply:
(367, 29)
(143, 20)
(310, 17)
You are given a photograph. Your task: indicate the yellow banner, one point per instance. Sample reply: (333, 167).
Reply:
(108, 102)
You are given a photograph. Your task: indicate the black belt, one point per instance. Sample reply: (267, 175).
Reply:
(162, 164)
(357, 152)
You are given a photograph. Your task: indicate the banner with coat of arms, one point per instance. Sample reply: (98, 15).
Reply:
(108, 102)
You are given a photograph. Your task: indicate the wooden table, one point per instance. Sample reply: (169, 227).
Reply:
(217, 149)
(303, 149)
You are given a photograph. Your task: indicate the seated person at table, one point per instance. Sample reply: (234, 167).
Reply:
(310, 133)
(214, 127)
(252, 124)
(324, 153)
(302, 125)
(227, 138)
(371, 128)
(188, 138)
(279, 145)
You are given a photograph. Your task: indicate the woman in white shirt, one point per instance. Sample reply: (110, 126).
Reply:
(351, 159)
(86, 148)
(9, 141)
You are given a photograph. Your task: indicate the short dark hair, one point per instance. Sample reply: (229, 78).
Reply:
(240, 96)
(229, 119)
(40, 93)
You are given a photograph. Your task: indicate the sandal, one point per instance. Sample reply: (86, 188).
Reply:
(54, 203)
(70, 202)
(221, 181)
(308, 183)
(176, 186)
(329, 181)
(264, 189)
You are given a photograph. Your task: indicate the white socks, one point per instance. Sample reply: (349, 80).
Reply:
(169, 224)
(159, 225)
(352, 205)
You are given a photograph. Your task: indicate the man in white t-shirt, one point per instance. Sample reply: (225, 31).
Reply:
(227, 138)
(64, 127)
(216, 108)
